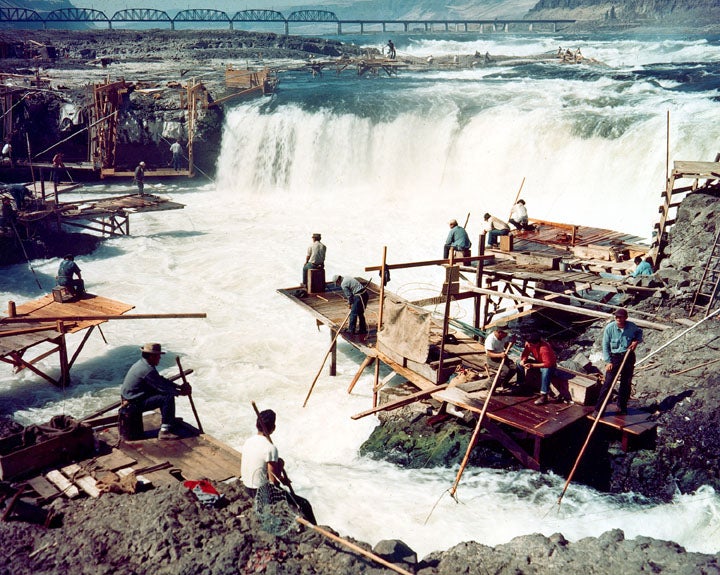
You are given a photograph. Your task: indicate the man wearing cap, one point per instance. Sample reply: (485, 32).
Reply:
(619, 337)
(315, 258)
(67, 269)
(357, 298)
(458, 240)
(495, 345)
(494, 227)
(140, 177)
(146, 389)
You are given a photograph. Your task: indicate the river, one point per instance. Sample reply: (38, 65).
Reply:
(383, 161)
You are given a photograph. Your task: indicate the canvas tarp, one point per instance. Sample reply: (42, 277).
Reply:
(405, 330)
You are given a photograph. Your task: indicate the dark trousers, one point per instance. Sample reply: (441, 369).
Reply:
(357, 311)
(626, 376)
(176, 161)
(166, 403)
(493, 235)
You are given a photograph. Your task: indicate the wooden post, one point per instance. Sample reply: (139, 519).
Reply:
(376, 381)
(446, 317)
(367, 361)
(62, 352)
(12, 311)
(478, 283)
(332, 368)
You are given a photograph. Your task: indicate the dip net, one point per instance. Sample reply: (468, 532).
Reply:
(272, 508)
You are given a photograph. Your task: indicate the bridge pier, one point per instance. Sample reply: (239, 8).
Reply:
(339, 29)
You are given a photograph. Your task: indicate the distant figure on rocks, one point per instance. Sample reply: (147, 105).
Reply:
(315, 258)
(145, 389)
(357, 297)
(537, 354)
(140, 177)
(8, 214)
(67, 271)
(458, 240)
(494, 227)
(643, 267)
(176, 150)
(619, 337)
(519, 216)
(57, 166)
(7, 157)
(391, 50)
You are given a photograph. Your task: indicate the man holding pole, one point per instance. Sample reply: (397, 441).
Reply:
(145, 389)
(357, 297)
(620, 337)
(458, 240)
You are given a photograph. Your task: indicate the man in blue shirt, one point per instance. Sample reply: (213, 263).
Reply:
(68, 268)
(357, 297)
(643, 267)
(458, 240)
(619, 337)
(146, 389)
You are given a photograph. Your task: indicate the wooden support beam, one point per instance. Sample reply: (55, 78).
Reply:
(486, 259)
(99, 317)
(568, 308)
(412, 398)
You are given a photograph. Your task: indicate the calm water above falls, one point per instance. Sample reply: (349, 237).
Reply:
(373, 162)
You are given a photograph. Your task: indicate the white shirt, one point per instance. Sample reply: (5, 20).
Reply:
(494, 223)
(256, 454)
(7, 148)
(495, 344)
(519, 212)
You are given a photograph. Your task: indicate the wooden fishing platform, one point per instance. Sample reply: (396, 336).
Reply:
(24, 328)
(109, 216)
(514, 420)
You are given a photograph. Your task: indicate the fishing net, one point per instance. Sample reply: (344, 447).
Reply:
(272, 508)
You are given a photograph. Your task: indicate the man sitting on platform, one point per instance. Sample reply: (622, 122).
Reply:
(146, 389)
(538, 354)
(68, 268)
(495, 345)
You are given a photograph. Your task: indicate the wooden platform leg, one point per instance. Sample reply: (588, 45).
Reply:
(366, 362)
(333, 353)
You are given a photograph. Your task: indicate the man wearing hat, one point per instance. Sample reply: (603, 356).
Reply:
(140, 177)
(315, 258)
(67, 269)
(458, 240)
(619, 337)
(495, 345)
(357, 297)
(146, 389)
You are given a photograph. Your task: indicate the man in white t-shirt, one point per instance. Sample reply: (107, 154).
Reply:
(260, 462)
(495, 345)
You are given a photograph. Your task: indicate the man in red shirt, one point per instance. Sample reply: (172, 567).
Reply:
(538, 354)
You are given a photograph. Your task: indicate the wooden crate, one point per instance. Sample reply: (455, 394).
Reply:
(583, 391)
(63, 447)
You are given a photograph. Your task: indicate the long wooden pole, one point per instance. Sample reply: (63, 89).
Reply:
(337, 335)
(352, 546)
(517, 196)
(594, 425)
(103, 317)
(190, 397)
(476, 431)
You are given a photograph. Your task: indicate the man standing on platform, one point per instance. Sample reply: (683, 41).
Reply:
(57, 165)
(140, 177)
(176, 150)
(458, 240)
(315, 258)
(357, 297)
(620, 337)
(146, 389)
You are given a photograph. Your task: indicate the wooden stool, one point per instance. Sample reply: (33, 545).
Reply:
(316, 280)
(61, 294)
(130, 422)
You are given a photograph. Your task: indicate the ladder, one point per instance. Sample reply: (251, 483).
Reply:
(710, 281)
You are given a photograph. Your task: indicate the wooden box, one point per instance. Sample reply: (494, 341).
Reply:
(316, 280)
(583, 391)
(61, 294)
(61, 447)
(506, 243)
